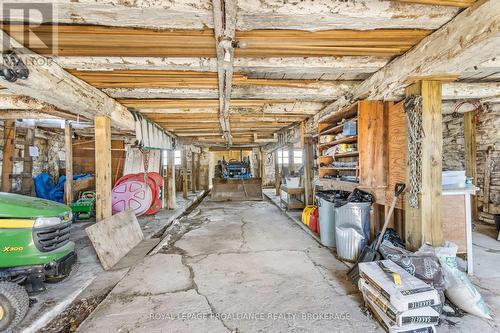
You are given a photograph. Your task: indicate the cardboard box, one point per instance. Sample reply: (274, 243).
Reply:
(426, 315)
(412, 293)
(391, 327)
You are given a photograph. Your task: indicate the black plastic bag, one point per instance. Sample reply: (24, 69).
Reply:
(356, 196)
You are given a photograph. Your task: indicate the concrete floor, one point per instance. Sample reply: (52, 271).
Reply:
(242, 267)
(85, 272)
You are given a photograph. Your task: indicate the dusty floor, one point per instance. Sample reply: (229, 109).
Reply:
(57, 296)
(247, 267)
(243, 267)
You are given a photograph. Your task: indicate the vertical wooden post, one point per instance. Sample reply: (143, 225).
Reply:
(471, 154)
(277, 176)
(307, 159)
(184, 174)
(68, 147)
(103, 166)
(27, 182)
(198, 168)
(9, 135)
(487, 180)
(262, 166)
(171, 203)
(291, 164)
(193, 172)
(424, 224)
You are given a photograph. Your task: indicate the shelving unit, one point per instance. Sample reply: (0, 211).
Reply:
(369, 142)
(334, 125)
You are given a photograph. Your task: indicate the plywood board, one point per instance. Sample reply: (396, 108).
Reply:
(114, 237)
(396, 151)
(372, 142)
(453, 217)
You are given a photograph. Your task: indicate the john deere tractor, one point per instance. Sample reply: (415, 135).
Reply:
(34, 248)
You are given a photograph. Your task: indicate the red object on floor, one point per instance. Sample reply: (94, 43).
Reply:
(313, 221)
(155, 183)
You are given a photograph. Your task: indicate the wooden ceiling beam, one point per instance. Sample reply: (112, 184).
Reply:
(310, 15)
(453, 3)
(101, 41)
(302, 90)
(225, 30)
(289, 65)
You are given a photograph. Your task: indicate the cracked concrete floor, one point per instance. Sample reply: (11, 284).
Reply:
(242, 267)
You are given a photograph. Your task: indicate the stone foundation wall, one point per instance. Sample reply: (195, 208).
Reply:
(487, 135)
(50, 146)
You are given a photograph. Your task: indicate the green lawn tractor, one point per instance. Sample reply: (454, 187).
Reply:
(84, 207)
(34, 248)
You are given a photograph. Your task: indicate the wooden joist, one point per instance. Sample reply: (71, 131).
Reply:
(94, 41)
(453, 3)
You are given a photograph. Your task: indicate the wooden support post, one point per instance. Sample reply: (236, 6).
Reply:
(27, 182)
(277, 176)
(68, 147)
(171, 203)
(103, 166)
(9, 135)
(193, 172)
(487, 181)
(471, 154)
(307, 158)
(424, 224)
(184, 174)
(262, 166)
(197, 179)
(291, 164)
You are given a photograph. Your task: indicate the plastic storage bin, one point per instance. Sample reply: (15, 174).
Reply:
(352, 229)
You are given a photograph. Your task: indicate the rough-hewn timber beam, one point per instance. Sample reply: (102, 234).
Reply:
(49, 83)
(252, 14)
(318, 91)
(285, 65)
(460, 44)
(299, 108)
(31, 105)
(453, 3)
(225, 29)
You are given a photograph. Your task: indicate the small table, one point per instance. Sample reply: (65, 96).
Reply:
(292, 198)
(457, 219)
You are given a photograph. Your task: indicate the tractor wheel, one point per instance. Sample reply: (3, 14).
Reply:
(14, 304)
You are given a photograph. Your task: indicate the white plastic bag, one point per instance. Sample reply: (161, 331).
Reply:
(459, 289)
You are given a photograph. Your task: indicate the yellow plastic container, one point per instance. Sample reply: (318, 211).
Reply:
(306, 213)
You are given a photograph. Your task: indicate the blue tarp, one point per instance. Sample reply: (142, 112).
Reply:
(46, 188)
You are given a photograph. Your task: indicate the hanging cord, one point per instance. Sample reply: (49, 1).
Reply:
(478, 108)
(413, 110)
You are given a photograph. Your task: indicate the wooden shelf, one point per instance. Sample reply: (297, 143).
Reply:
(338, 168)
(332, 130)
(342, 155)
(349, 139)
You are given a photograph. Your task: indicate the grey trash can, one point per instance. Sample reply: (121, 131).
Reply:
(325, 201)
(352, 229)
